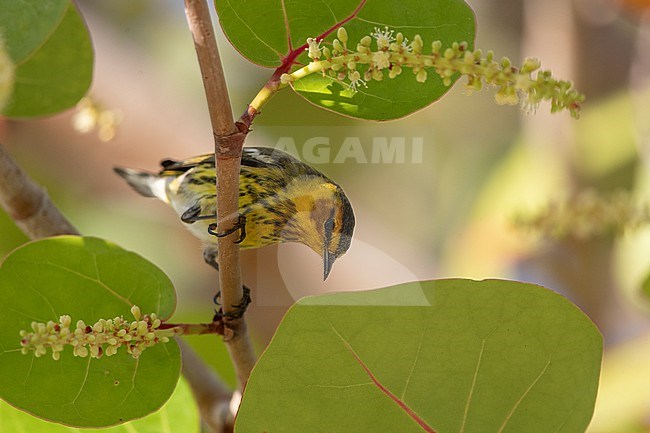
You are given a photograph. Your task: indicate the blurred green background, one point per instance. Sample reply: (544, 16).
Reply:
(448, 213)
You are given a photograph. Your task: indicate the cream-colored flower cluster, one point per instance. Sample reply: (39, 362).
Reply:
(105, 337)
(392, 53)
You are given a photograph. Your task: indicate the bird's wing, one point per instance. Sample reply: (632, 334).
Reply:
(263, 157)
(171, 167)
(270, 158)
(258, 157)
(254, 157)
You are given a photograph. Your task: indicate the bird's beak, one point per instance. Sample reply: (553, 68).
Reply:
(328, 261)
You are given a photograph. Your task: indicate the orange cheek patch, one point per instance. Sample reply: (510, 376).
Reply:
(304, 203)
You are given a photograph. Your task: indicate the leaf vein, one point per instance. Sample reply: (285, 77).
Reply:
(415, 361)
(29, 285)
(471, 390)
(344, 386)
(83, 383)
(287, 28)
(95, 280)
(410, 412)
(252, 31)
(398, 26)
(523, 396)
(46, 39)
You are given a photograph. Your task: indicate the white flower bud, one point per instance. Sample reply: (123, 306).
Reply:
(342, 34)
(135, 310)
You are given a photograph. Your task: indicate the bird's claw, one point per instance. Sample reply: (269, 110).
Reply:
(239, 309)
(239, 225)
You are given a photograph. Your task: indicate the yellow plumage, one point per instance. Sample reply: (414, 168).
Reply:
(282, 199)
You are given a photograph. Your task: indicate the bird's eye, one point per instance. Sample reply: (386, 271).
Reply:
(329, 225)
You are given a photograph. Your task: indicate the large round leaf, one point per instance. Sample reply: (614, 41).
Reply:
(88, 279)
(178, 415)
(50, 46)
(438, 356)
(263, 29)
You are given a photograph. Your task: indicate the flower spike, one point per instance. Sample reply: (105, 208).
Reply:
(104, 337)
(527, 85)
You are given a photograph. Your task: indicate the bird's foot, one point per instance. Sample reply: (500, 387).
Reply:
(239, 225)
(239, 309)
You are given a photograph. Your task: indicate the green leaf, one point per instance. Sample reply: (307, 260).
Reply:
(12, 236)
(444, 356)
(52, 52)
(259, 31)
(88, 279)
(178, 415)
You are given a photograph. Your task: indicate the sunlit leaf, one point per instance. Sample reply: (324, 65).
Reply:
(267, 31)
(444, 356)
(178, 415)
(88, 279)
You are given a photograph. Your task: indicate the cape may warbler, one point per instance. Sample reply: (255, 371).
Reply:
(281, 199)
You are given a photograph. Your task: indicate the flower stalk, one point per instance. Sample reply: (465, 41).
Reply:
(391, 54)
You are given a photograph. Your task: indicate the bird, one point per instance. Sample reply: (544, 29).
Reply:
(281, 199)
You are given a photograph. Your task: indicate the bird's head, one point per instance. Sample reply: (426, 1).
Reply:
(324, 217)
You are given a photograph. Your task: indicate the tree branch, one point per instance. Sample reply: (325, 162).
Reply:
(229, 140)
(211, 395)
(28, 204)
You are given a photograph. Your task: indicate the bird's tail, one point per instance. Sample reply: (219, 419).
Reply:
(145, 183)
